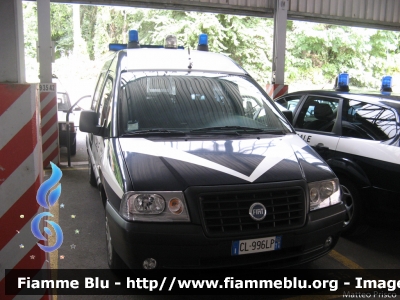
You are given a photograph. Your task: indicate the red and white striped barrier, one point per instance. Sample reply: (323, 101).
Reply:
(48, 111)
(276, 90)
(21, 173)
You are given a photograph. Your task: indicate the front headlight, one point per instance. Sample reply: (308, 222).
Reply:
(154, 207)
(324, 193)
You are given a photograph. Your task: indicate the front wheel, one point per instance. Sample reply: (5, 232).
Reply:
(353, 205)
(113, 259)
(92, 177)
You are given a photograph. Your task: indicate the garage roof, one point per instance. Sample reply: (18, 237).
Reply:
(380, 14)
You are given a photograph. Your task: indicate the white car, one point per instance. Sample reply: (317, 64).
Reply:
(358, 135)
(63, 105)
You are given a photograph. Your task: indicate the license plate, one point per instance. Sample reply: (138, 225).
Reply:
(256, 245)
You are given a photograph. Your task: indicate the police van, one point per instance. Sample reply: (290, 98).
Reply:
(198, 168)
(358, 135)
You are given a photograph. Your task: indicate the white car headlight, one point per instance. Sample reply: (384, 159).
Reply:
(324, 193)
(154, 207)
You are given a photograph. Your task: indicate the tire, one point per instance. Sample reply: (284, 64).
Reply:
(354, 208)
(103, 195)
(92, 177)
(113, 259)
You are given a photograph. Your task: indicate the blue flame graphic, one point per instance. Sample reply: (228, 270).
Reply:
(53, 196)
(45, 187)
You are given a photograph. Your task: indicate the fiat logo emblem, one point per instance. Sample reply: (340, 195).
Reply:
(257, 211)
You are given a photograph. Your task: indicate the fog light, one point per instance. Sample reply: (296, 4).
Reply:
(149, 263)
(328, 241)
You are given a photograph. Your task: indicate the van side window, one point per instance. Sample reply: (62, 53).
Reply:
(104, 104)
(318, 113)
(97, 92)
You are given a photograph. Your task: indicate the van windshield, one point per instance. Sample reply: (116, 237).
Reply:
(177, 101)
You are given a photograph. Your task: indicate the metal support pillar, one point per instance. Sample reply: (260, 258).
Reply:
(12, 62)
(280, 20)
(48, 93)
(277, 86)
(45, 47)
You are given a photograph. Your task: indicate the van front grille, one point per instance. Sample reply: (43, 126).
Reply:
(228, 213)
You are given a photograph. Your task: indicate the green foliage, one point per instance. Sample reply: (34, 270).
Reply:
(315, 53)
(88, 20)
(367, 54)
(246, 40)
(30, 28)
(61, 28)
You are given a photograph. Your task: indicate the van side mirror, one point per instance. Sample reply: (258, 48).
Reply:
(88, 122)
(289, 115)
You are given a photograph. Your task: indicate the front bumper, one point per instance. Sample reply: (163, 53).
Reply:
(185, 245)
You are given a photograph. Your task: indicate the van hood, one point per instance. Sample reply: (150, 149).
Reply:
(174, 165)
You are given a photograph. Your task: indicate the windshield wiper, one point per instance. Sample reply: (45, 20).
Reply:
(236, 129)
(154, 132)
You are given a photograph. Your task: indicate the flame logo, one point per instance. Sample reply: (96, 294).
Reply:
(47, 202)
(47, 185)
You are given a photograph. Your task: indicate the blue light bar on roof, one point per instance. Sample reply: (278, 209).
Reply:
(203, 42)
(386, 87)
(158, 46)
(342, 82)
(116, 47)
(151, 46)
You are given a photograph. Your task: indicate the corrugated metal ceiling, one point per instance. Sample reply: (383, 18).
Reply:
(383, 14)
(366, 13)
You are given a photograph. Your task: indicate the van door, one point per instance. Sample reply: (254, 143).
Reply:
(102, 111)
(366, 128)
(95, 100)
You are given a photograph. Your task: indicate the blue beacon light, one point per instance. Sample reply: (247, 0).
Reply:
(133, 42)
(133, 39)
(342, 83)
(203, 42)
(386, 87)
